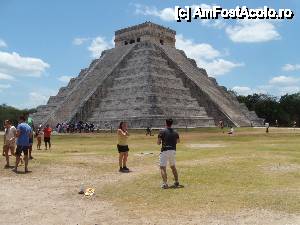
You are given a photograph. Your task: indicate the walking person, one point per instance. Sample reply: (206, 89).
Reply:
(24, 132)
(231, 131)
(122, 146)
(47, 136)
(221, 125)
(267, 127)
(31, 124)
(149, 131)
(39, 135)
(168, 138)
(10, 135)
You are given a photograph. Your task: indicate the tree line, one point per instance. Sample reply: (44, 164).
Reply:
(12, 113)
(284, 109)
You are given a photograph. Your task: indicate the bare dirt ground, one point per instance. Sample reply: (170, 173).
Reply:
(49, 196)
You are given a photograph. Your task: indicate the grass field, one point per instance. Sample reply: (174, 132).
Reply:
(249, 178)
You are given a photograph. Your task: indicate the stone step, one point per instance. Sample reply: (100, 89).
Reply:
(153, 121)
(146, 100)
(145, 53)
(146, 71)
(139, 68)
(150, 81)
(146, 91)
(147, 58)
(120, 112)
(145, 49)
(147, 76)
(146, 106)
(151, 96)
(147, 86)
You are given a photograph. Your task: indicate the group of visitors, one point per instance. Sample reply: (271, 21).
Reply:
(18, 141)
(75, 127)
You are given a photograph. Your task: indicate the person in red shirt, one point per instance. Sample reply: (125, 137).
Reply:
(47, 134)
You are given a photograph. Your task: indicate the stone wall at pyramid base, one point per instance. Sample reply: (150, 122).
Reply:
(155, 122)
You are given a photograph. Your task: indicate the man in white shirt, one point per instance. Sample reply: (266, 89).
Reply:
(9, 140)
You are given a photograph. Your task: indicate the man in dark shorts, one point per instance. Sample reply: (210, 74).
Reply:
(168, 137)
(24, 132)
(47, 135)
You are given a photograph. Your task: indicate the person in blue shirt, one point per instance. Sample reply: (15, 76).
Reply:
(24, 132)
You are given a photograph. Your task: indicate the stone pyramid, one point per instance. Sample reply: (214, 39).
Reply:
(144, 80)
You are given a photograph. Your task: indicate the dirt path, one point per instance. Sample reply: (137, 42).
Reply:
(49, 196)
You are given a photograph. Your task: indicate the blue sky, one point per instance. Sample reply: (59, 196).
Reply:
(44, 43)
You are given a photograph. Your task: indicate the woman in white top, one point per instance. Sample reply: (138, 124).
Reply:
(9, 140)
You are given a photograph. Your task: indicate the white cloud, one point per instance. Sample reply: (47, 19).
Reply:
(4, 86)
(64, 79)
(252, 31)
(166, 14)
(36, 99)
(2, 43)
(291, 67)
(80, 41)
(4, 76)
(98, 45)
(221, 66)
(14, 64)
(277, 86)
(243, 90)
(284, 81)
(289, 90)
(194, 50)
(206, 56)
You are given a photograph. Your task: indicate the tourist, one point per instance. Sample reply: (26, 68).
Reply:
(47, 136)
(149, 131)
(267, 127)
(9, 140)
(24, 132)
(122, 146)
(231, 131)
(39, 135)
(221, 125)
(30, 123)
(168, 137)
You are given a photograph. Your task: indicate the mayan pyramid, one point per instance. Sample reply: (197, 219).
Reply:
(143, 80)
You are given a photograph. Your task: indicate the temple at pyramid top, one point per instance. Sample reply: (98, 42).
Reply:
(145, 32)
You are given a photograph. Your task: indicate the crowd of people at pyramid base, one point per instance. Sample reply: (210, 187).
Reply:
(80, 127)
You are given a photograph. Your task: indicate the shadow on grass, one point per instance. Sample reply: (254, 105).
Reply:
(176, 187)
(9, 167)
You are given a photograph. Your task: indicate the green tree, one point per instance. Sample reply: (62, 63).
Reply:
(12, 113)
